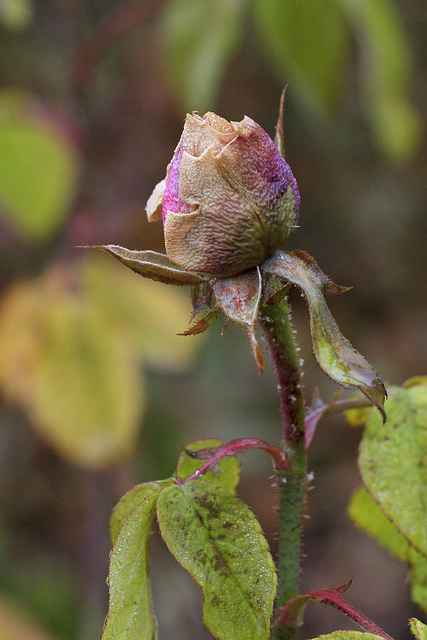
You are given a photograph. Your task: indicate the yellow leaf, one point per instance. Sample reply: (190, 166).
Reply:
(15, 625)
(151, 312)
(77, 377)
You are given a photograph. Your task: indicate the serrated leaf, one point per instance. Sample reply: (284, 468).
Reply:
(198, 38)
(369, 517)
(419, 629)
(293, 37)
(333, 351)
(146, 312)
(225, 474)
(39, 166)
(152, 265)
(128, 503)
(219, 541)
(130, 611)
(393, 462)
(348, 635)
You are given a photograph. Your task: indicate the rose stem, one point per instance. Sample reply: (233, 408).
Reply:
(276, 324)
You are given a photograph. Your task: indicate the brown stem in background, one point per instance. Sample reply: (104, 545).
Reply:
(109, 30)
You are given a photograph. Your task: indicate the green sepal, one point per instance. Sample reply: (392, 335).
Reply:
(218, 540)
(225, 474)
(333, 351)
(153, 265)
(130, 612)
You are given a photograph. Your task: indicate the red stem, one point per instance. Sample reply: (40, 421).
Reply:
(232, 448)
(329, 597)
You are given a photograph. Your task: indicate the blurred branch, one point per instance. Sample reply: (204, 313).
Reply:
(110, 29)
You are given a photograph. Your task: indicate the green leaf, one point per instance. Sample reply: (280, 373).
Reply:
(293, 34)
(128, 503)
(199, 39)
(146, 312)
(393, 462)
(348, 635)
(38, 167)
(130, 612)
(219, 541)
(333, 351)
(388, 69)
(369, 517)
(16, 15)
(225, 474)
(419, 629)
(152, 265)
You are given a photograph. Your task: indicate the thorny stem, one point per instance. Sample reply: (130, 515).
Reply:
(276, 324)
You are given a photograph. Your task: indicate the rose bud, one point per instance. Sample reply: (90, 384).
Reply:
(229, 199)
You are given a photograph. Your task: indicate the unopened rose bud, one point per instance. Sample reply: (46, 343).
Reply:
(229, 199)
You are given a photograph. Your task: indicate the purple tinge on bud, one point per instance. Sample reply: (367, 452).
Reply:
(229, 199)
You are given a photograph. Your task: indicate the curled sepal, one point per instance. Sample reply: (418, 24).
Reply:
(202, 324)
(239, 298)
(333, 351)
(153, 265)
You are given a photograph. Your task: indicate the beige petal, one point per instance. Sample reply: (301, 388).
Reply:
(211, 242)
(154, 204)
(198, 134)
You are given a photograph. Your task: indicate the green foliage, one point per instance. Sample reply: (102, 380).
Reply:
(16, 15)
(419, 629)
(128, 503)
(306, 42)
(393, 461)
(348, 635)
(130, 614)
(225, 474)
(393, 464)
(334, 353)
(199, 38)
(38, 167)
(385, 78)
(369, 517)
(219, 541)
(211, 533)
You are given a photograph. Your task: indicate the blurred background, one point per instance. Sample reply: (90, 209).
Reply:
(97, 390)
